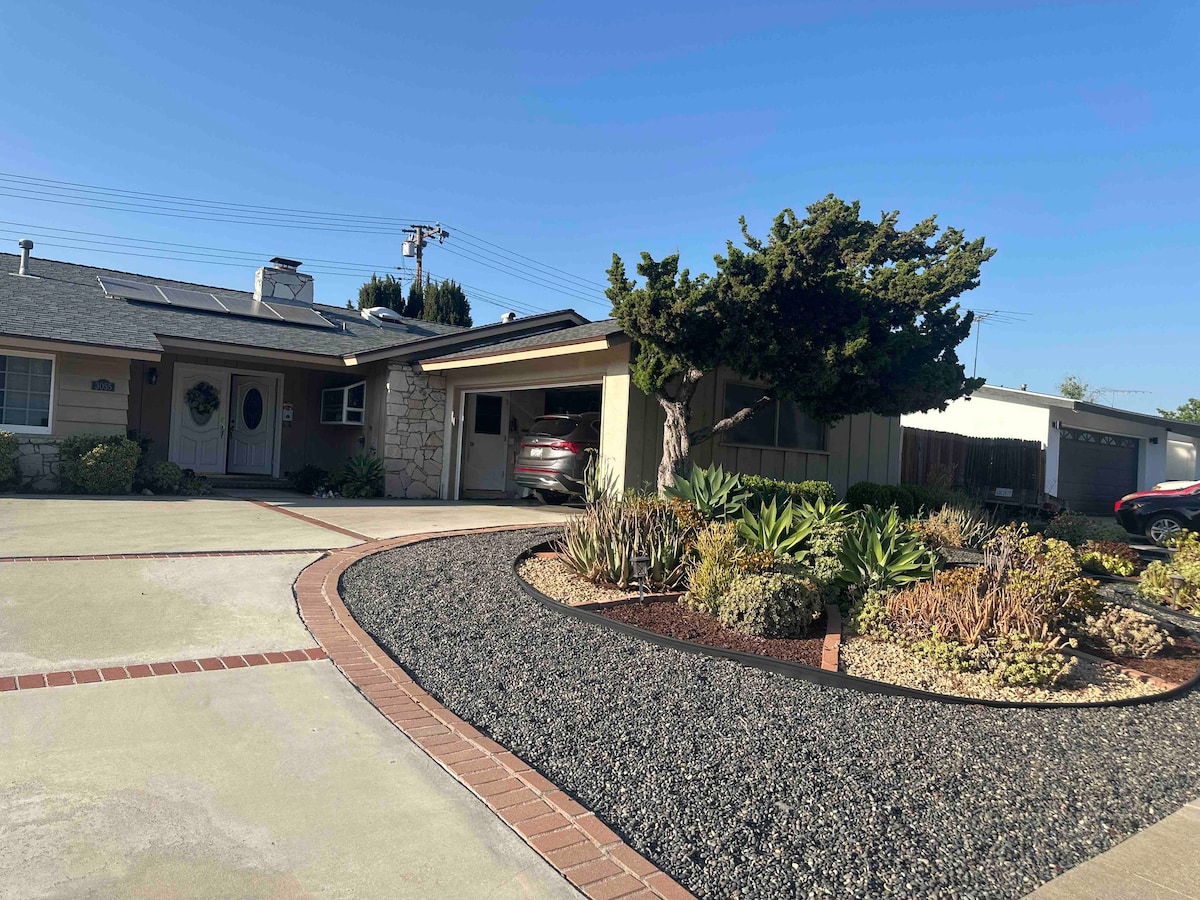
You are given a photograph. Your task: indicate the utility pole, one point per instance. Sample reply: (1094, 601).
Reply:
(415, 244)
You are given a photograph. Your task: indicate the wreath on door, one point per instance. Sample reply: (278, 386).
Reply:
(202, 399)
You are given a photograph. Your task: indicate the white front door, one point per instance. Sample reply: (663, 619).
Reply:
(485, 467)
(198, 438)
(252, 425)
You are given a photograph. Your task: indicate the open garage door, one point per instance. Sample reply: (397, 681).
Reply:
(1095, 470)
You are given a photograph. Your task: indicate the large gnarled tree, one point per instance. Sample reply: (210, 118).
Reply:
(838, 314)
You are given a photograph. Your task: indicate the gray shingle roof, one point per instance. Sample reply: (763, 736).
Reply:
(66, 303)
(576, 334)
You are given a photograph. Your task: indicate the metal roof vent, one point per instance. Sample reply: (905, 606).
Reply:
(508, 317)
(23, 269)
(377, 315)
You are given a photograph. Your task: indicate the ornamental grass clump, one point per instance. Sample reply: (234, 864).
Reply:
(603, 543)
(1007, 618)
(1176, 582)
(956, 528)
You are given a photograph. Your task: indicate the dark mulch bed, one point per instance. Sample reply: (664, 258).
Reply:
(1176, 664)
(674, 620)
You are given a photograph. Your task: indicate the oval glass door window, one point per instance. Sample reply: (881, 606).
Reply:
(252, 408)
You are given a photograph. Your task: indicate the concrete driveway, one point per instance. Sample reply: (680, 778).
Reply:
(256, 771)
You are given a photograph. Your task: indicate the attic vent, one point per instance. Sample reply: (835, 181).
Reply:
(378, 314)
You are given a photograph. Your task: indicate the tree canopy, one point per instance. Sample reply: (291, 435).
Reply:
(1188, 412)
(446, 302)
(839, 314)
(1074, 389)
(414, 308)
(386, 291)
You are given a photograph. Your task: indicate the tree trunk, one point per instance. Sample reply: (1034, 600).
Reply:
(677, 443)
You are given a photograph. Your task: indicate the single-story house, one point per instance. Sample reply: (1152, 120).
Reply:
(257, 384)
(1094, 454)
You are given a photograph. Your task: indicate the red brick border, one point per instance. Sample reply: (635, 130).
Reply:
(145, 670)
(310, 520)
(576, 843)
(181, 554)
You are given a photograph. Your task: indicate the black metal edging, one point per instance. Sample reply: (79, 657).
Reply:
(811, 673)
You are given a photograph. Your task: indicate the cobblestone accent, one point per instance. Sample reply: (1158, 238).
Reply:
(412, 443)
(37, 461)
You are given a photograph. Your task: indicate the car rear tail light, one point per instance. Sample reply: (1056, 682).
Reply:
(570, 446)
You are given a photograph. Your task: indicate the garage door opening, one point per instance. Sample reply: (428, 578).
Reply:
(494, 425)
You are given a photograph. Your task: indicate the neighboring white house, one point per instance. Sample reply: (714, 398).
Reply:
(1094, 454)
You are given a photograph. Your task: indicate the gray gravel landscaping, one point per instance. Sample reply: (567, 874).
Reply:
(745, 784)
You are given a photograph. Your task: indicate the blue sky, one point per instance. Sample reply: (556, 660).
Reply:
(1065, 133)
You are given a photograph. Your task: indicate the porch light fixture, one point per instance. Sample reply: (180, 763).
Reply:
(152, 375)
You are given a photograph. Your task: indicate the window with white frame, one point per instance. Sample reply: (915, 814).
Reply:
(344, 405)
(26, 386)
(780, 424)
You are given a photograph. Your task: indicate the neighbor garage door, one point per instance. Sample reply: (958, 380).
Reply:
(1095, 470)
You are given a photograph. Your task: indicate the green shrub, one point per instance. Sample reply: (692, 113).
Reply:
(1175, 582)
(9, 466)
(715, 494)
(362, 477)
(880, 553)
(1125, 632)
(603, 542)
(718, 556)
(1077, 529)
(770, 604)
(165, 478)
(764, 490)
(98, 464)
(1109, 558)
(307, 479)
(193, 485)
(909, 499)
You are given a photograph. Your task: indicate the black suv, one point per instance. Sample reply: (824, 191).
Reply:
(554, 455)
(1160, 514)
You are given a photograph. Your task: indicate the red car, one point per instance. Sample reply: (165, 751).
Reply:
(1160, 514)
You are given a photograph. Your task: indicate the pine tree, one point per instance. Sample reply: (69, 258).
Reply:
(446, 302)
(386, 291)
(415, 307)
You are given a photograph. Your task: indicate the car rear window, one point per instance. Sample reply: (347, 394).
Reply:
(552, 427)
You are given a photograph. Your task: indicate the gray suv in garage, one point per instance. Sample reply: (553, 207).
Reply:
(554, 455)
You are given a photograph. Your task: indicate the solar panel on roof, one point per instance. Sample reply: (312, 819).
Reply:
(130, 290)
(192, 299)
(299, 315)
(255, 309)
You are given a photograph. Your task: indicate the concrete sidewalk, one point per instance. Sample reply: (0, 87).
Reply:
(1161, 862)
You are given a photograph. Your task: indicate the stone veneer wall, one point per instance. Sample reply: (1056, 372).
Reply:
(413, 454)
(37, 460)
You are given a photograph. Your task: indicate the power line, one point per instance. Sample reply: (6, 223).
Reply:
(69, 193)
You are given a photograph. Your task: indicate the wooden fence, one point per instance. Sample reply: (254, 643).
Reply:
(971, 464)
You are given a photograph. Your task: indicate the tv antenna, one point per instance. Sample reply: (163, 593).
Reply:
(1112, 394)
(1000, 317)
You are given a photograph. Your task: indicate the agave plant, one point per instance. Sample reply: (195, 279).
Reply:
(879, 553)
(823, 512)
(604, 542)
(775, 531)
(715, 494)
